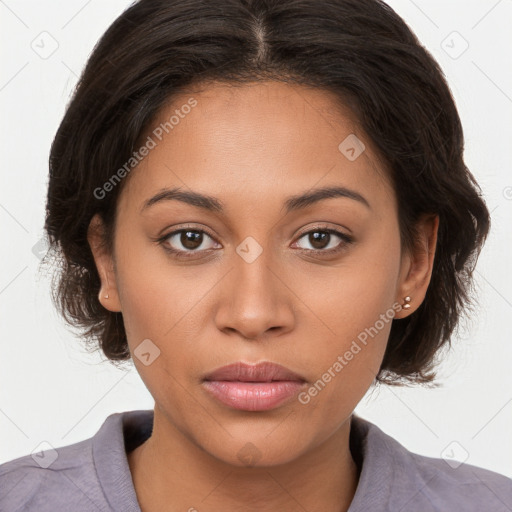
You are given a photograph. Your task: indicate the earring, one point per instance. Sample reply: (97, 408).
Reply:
(106, 296)
(407, 300)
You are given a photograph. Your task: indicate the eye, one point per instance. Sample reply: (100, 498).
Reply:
(323, 240)
(188, 241)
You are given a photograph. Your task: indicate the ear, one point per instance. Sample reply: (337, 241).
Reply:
(417, 264)
(104, 264)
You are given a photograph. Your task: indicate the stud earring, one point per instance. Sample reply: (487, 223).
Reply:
(106, 296)
(407, 300)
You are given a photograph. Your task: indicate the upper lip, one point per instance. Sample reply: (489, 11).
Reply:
(261, 372)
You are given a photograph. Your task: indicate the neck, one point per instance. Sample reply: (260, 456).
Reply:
(172, 472)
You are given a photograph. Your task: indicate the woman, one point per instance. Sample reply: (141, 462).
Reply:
(265, 205)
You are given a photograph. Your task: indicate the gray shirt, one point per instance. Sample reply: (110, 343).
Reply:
(93, 475)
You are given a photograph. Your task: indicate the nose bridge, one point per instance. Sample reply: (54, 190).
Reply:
(255, 263)
(257, 299)
(254, 272)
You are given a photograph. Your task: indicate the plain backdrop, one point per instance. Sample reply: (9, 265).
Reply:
(51, 390)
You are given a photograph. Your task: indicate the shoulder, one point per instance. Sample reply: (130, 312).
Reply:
(449, 482)
(52, 478)
(89, 475)
(413, 482)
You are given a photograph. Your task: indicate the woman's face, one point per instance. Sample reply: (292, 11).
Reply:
(259, 277)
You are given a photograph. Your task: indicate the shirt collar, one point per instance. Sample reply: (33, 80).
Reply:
(379, 457)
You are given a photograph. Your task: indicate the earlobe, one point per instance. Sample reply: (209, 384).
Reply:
(108, 299)
(108, 295)
(419, 265)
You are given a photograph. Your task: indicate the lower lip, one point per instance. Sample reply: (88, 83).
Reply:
(253, 396)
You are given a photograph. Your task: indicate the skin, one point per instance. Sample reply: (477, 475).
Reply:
(252, 147)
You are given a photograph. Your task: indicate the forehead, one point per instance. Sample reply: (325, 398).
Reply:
(255, 141)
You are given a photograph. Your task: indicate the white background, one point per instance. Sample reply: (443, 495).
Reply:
(51, 390)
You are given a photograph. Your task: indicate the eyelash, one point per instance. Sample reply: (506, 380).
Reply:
(346, 240)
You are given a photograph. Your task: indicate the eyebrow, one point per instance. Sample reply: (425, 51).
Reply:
(292, 203)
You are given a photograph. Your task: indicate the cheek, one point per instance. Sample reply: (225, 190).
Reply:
(154, 294)
(352, 295)
(347, 358)
(160, 304)
(354, 311)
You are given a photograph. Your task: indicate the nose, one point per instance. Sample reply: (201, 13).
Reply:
(256, 300)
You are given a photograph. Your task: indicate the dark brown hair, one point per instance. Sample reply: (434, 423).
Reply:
(360, 50)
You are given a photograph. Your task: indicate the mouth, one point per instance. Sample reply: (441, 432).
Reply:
(258, 387)
(262, 372)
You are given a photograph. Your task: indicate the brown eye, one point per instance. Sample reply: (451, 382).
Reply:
(319, 239)
(191, 239)
(186, 242)
(324, 240)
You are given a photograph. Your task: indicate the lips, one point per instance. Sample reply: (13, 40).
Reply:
(261, 372)
(259, 387)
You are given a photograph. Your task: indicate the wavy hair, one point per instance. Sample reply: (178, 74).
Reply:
(360, 50)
